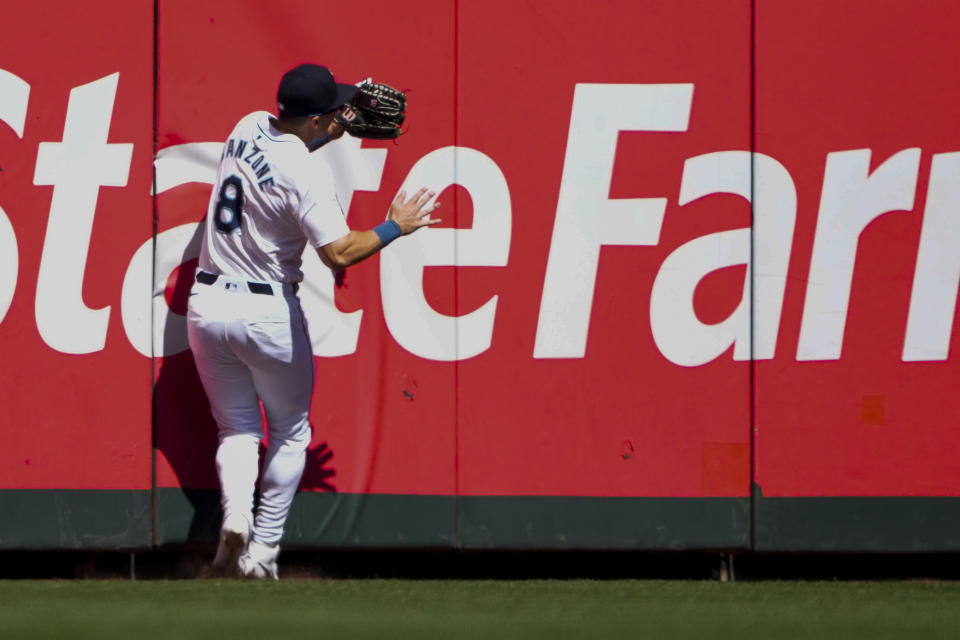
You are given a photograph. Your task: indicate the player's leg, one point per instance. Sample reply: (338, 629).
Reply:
(282, 368)
(236, 410)
(285, 385)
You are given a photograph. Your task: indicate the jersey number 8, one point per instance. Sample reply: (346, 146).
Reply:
(228, 213)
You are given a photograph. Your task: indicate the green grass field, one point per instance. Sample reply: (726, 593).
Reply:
(144, 610)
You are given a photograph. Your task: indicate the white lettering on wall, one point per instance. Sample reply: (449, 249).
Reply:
(183, 163)
(415, 325)
(851, 198)
(143, 305)
(76, 167)
(14, 98)
(681, 337)
(333, 332)
(933, 300)
(586, 217)
(586, 220)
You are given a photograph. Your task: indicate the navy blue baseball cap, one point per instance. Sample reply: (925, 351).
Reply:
(310, 90)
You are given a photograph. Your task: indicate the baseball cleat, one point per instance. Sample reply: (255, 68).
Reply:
(234, 535)
(259, 561)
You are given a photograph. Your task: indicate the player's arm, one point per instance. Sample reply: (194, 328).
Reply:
(405, 217)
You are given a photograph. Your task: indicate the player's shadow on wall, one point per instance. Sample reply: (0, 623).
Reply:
(185, 434)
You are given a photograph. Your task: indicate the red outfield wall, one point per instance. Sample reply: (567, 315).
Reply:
(619, 293)
(75, 175)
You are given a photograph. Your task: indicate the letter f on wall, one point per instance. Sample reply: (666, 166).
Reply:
(76, 167)
(586, 217)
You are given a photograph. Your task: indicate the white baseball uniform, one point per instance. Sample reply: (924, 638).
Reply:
(246, 329)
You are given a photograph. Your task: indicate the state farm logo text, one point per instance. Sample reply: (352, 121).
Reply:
(585, 221)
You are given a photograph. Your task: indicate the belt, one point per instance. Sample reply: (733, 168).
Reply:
(261, 288)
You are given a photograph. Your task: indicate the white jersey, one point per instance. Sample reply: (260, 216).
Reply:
(271, 197)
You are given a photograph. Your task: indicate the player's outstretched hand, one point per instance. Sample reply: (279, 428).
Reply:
(414, 213)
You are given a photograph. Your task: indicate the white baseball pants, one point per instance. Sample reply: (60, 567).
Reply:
(251, 348)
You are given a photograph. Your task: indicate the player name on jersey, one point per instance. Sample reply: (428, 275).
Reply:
(236, 148)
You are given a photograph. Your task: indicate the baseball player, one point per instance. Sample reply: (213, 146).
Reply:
(245, 324)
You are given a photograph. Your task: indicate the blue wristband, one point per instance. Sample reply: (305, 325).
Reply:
(387, 231)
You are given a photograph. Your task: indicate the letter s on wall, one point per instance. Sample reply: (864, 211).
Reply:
(14, 97)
